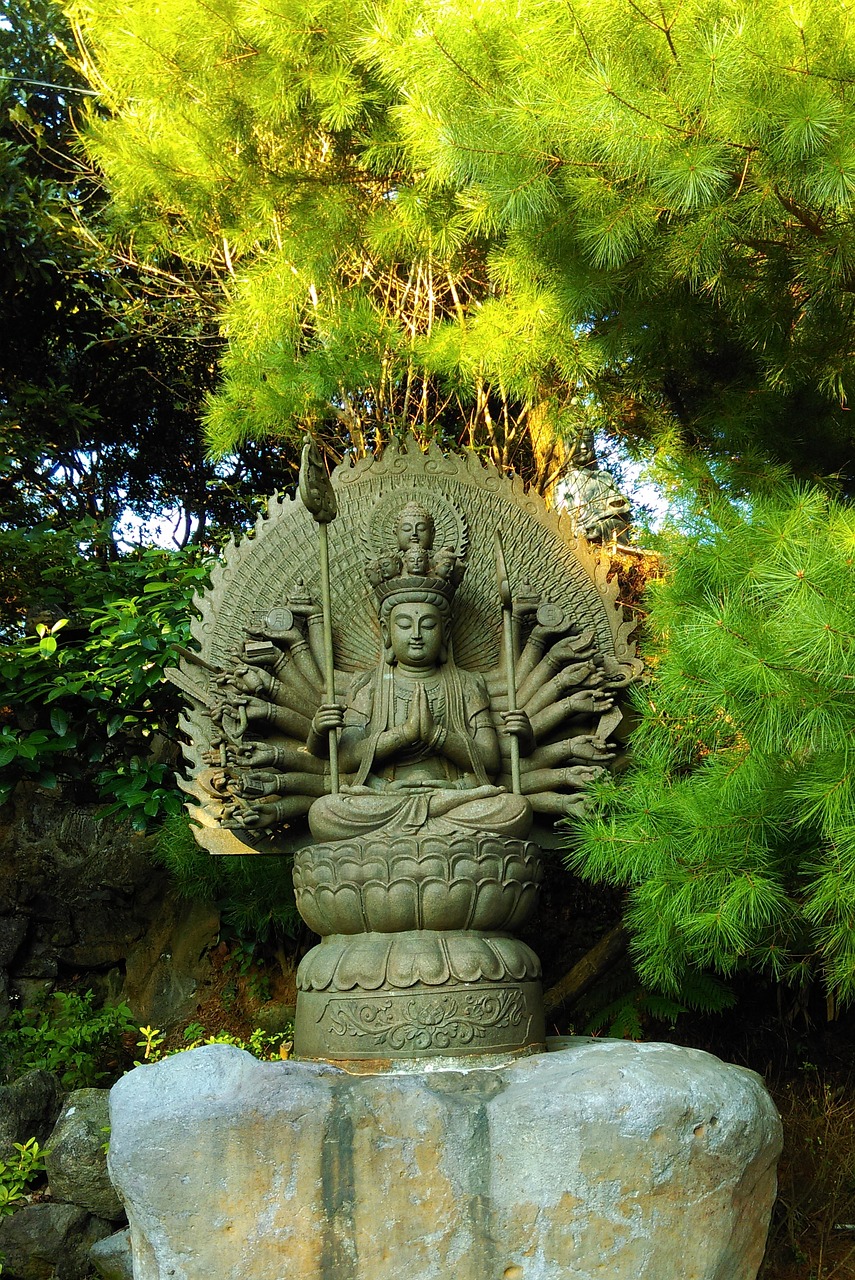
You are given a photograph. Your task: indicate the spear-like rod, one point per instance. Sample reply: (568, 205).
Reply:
(510, 656)
(318, 498)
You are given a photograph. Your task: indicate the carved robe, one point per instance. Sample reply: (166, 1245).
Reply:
(420, 789)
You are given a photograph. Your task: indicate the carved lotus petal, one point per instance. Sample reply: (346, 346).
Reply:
(433, 868)
(316, 908)
(417, 960)
(373, 869)
(496, 902)
(405, 866)
(314, 871)
(349, 870)
(363, 964)
(524, 907)
(518, 959)
(317, 968)
(446, 906)
(473, 958)
(518, 868)
(466, 867)
(433, 847)
(312, 913)
(391, 908)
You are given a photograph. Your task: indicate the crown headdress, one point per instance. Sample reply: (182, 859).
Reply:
(414, 571)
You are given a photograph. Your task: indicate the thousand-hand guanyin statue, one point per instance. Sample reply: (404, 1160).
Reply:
(403, 679)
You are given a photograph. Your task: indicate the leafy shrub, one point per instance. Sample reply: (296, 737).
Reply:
(255, 895)
(269, 1046)
(66, 1036)
(16, 1174)
(82, 699)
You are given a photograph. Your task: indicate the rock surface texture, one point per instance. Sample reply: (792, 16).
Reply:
(605, 1161)
(76, 1158)
(111, 1257)
(49, 1241)
(28, 1109)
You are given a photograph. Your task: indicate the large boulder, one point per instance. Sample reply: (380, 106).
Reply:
(49, 1241)
(632, 1161)
(28, 1109)
(76, 1158)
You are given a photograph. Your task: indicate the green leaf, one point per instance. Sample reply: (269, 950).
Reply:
(59, 721)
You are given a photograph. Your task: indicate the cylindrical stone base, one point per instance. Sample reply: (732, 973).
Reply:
(418, 993)
(420, 1022)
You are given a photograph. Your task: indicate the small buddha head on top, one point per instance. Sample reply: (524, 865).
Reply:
(415, 528)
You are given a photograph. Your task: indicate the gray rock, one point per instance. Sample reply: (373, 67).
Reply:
(48, 1241)
(606, 1158)
(275, 1016)
(28, 1109)
(168, 965)
(5, 1002)
(76, 1161)
(104, 933)
(13, 930)
(36, 961)
(111, 1257)
(29, 991)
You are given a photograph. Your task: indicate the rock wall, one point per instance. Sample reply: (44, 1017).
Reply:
(81, 900)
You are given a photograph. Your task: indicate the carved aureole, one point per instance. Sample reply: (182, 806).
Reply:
(416, 872)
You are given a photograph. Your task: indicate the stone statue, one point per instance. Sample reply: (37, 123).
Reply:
(418, 736)
(600, 511)
(462, 714)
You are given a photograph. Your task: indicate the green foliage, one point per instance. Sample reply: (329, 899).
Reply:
(679, 179)
(102, 377)
(85, 693)
(255, 895)
(734, 829)
(269, 1046)
(623, 1009)
(67, 1036)
(17, 1173)
(264, 143)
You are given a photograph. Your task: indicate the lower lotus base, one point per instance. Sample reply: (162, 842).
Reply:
(605, 1161)
(418, 993)
(420, 1022)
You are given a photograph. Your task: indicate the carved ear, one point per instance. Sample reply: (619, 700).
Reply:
(388, 651)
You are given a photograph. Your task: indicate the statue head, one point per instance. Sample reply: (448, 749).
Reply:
(413, 573)
(415, 527)
(414, 633)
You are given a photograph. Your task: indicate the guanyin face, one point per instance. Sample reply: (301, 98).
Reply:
(415, 634)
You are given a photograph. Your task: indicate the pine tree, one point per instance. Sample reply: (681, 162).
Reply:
(260, 143)
(678, 179)
(734, 827)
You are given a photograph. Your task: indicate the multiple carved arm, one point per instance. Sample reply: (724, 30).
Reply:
(268, 762)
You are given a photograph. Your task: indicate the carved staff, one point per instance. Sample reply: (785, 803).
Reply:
(318, 498)
(510, 657)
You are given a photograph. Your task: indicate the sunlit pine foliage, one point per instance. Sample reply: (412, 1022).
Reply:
(260, 141)
(679, 177)
(734, 828)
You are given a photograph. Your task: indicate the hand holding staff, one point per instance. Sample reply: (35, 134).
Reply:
(510, 657)
(318, 498)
